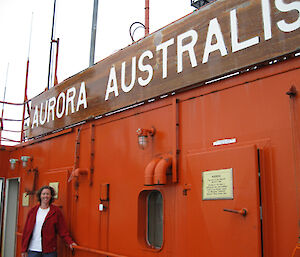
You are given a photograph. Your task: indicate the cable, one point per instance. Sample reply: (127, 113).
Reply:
(131, 33)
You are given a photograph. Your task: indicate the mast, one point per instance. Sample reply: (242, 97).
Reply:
(51, 42)
(26, 83)
(93, 33)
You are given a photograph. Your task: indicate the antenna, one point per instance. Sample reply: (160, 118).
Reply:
(93, 33)
(30, 32)
(51, 42)
(26, 82)
(4, 96)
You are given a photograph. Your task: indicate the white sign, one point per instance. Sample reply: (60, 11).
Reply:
(225, 141)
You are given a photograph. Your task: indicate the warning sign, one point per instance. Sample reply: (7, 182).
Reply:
(217, 184)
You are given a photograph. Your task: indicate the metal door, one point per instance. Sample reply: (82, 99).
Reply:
(10, 217)
(2, 180)
(223, 217)
(58, 180)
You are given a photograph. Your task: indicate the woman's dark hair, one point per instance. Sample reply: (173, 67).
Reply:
(38, 194)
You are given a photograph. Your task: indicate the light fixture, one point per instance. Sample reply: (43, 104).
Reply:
(199, 3)
(13, 163)
(25, 160)
(143, 136)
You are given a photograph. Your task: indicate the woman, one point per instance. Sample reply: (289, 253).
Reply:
(43, 222)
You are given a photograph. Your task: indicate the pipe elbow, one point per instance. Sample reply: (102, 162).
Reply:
(149, 172)
(78, 172)
(160, 173)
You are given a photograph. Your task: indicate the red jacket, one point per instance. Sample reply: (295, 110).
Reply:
(54, 224)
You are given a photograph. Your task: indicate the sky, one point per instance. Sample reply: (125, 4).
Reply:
(25, 29)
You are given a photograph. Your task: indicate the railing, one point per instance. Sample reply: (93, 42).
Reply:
(4, 121)
(85, 249)
(77, 247)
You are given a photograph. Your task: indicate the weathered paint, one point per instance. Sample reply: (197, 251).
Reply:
(221, 38)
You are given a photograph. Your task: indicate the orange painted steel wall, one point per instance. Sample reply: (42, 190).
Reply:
(4, 164)
(252, 108)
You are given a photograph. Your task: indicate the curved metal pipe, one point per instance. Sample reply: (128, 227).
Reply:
(149, 172)
(75, 173)
(78, 171)
(160, 173)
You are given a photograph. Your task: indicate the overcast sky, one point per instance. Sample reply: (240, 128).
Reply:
(73, 28)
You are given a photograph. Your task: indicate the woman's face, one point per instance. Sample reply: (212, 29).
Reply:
(45, 196)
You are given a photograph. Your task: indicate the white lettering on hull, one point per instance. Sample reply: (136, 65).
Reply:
(141, 69)
(214, 43)
(56, 108)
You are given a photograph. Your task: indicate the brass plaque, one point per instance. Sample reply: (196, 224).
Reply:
(54, 185)
(217, 184)
(25, 200)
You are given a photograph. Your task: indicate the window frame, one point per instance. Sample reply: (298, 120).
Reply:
(153, 243)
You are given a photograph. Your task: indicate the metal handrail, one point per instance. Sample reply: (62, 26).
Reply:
(77, 247)
(4, 102)
(9, 140)
(14, 131)
(11, 119)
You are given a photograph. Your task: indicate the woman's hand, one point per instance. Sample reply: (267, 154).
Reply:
(71, 247)
(24, 254)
